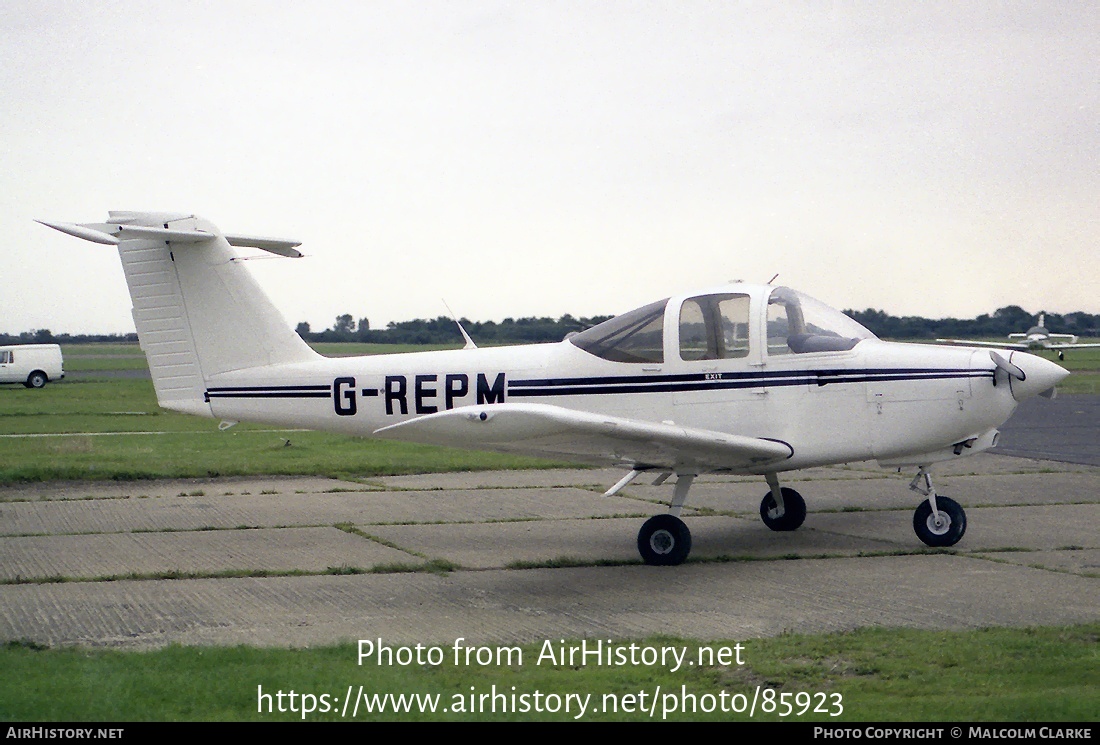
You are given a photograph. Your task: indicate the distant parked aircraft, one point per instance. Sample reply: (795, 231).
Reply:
(1036, 337)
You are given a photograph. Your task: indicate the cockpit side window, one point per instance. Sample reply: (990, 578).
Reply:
(714, 327)
(637, 336)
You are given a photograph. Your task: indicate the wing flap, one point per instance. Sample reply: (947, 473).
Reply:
(553, 431)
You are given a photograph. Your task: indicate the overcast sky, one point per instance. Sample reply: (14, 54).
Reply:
(541, 158)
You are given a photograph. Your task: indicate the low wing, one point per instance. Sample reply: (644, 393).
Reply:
(972, 343)
(555, 432)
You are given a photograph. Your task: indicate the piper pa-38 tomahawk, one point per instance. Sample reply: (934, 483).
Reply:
(1036, 337)
(745, 379)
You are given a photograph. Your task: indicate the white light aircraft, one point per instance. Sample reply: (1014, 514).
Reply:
(1035, 338)
(744, 379)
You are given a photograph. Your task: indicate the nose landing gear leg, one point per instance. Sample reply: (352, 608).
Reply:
(939, 521)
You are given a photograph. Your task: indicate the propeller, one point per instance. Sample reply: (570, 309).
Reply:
(1007, 366)
(1035, 376)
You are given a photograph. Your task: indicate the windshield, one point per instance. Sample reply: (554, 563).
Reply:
(637, 336)
(799, 324)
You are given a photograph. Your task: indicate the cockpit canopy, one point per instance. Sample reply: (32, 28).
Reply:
(736, 322)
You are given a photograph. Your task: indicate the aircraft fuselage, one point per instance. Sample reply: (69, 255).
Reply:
(878, 400)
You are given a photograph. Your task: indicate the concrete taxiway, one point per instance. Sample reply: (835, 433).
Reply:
(524, 556)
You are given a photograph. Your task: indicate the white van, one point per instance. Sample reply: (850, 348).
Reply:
(33, 365)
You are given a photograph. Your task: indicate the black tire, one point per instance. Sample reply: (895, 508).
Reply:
(36, 379)
(664, 540)
(794, 511)
(948, 531)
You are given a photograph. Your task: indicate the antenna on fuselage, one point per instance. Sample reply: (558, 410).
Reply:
(773, 278)
(469, 342)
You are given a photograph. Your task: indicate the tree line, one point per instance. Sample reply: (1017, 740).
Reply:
(443, 330)
(1011, 319)
(45, 336)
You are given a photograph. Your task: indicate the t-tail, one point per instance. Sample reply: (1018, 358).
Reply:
(197, 309)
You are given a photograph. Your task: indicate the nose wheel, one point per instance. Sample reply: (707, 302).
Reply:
(788, 517)
(938, 521)
(786, 513)
(944, 527)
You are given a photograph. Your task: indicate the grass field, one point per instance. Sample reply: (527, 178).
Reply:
(869, 675)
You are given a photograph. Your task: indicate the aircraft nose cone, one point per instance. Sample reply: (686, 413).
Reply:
(1039, 375)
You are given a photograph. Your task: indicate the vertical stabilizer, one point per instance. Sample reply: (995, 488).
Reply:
(198, 310)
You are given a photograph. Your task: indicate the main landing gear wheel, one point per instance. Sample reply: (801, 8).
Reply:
(794, 511)
(946, 529)
(664, 540)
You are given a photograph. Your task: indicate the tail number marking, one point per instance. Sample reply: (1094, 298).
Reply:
(425, 393)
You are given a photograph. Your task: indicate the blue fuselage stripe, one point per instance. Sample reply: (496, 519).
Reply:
(271, 391)
(726, 381)
(610, 385)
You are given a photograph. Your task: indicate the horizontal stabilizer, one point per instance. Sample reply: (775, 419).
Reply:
(109, 233)
(126, 232)
(273, 245)
(80, 231)
(552, 431)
